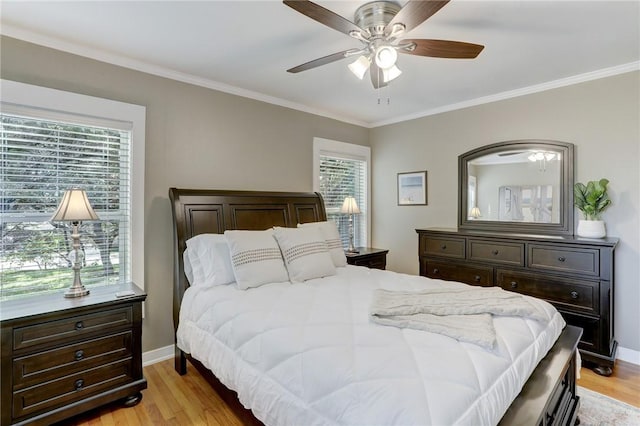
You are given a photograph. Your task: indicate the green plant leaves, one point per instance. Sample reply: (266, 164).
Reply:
(591, 199)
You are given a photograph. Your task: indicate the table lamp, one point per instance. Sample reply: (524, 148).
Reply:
(350, 207)
(75, 208)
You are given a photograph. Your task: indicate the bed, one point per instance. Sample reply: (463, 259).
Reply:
(442, 386)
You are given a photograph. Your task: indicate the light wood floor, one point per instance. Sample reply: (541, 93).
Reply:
(189, 400)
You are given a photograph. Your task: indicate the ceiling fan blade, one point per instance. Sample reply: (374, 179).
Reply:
(442, 48)
(322, 15)
(415, 13)
(320, 61)
(377, 77)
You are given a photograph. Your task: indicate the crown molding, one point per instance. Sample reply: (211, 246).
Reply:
(555, 84)
(104, 56)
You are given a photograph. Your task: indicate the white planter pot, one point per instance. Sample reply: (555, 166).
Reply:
(591, 229)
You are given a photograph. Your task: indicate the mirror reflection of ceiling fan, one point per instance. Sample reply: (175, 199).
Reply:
(381, 26)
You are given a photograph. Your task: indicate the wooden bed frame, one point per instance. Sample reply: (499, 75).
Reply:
(549, 396)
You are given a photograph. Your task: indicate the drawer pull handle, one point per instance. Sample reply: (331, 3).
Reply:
(477, 278)
(562, 259)
(79, 384)
(79, 355)
(495, 252)
(574, 294)
(436, 270)
(79, 325)
(443, 247)
(514, 284)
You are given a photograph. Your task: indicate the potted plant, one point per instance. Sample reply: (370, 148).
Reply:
(591, 199)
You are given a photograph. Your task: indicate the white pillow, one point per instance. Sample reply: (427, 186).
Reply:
(305, 253)
(331, 236)
(256, 258)
(207, 260)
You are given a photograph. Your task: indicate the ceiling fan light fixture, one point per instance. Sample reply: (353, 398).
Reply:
(386, 57)
(391, 74)
(360, 66)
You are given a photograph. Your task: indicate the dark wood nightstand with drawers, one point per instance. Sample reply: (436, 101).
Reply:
(369, 257)
(576, 275)
(62, 357)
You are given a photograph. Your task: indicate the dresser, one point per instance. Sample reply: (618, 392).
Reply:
(61, 357)
(575, 274)
(370, 257)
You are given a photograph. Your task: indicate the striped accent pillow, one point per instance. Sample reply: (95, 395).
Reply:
(329, 231)
(305, 253)
(256, 258)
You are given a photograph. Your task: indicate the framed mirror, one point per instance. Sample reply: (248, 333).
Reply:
(523, 186)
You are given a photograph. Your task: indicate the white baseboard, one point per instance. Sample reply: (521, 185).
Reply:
(628, 355)
(167, 352)
(157, 355)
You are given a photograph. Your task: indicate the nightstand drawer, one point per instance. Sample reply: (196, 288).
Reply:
(496, 252)
(475, 275)
(577, 295)
(55, 363)
(444, 247)
(71, 388)
(71, 327)
(580, 260)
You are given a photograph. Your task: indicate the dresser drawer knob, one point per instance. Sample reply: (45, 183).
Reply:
(79, 384)
(514, 284)
(79, 355)
(574, 294)
(477, 278)
(495, 252)
(562, 259)
(79, 325)
(436, 270)
(443, 247)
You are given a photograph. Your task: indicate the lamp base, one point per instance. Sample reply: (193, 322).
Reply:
(76, 292)
(353, 251)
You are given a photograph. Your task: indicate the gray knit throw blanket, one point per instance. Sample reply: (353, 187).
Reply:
(464, 314)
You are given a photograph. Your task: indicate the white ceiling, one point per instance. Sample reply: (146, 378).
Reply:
(244, 47)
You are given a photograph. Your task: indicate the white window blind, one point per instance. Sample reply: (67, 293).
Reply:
(343, 171)
(39, 160)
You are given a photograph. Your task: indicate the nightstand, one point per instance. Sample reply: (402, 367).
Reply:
(62, 357)
(369, 257)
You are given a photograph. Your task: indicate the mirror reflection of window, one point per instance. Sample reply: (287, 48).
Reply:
(523, 184)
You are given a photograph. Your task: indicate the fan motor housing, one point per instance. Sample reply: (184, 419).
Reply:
(374, 17)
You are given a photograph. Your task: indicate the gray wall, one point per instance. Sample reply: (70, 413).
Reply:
(602, 119)
(196, 138)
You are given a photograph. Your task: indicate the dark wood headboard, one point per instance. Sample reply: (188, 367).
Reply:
(201, 211)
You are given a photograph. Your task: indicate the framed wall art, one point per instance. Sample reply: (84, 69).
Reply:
(412, 189)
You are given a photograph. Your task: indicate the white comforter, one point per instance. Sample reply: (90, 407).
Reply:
(307, 354)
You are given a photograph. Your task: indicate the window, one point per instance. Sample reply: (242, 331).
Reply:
(47, 147)
(342, 170)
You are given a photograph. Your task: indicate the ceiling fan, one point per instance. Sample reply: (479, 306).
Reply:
(380, 26)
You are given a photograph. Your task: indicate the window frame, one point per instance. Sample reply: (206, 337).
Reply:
(53, 104)
(345, 150)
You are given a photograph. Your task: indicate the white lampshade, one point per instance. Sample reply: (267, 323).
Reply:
(475, 212)
(350, 206)
(360, 66)
(74, 207)
(385, 57)
(391, 73)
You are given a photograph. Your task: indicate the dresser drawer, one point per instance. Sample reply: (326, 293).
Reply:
(590, 339)
(475, 275)
(71, 388)
(55, 363)
(443, 247)
(71, 328)
(577, 295)
(574, 260)
(497, 252)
